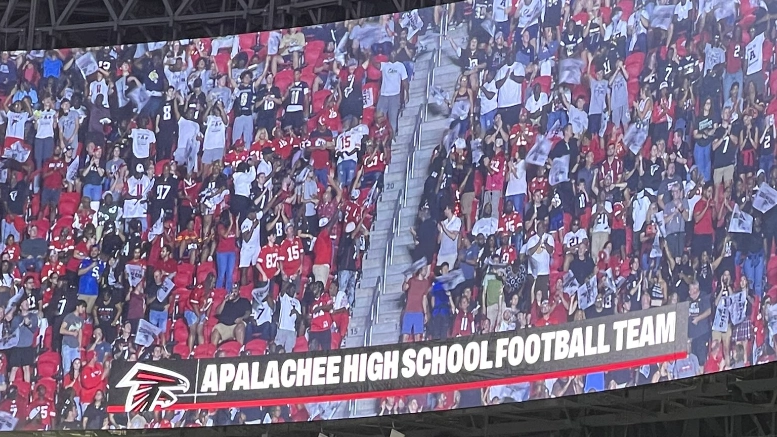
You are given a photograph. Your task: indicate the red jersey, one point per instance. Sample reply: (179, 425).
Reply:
(257, 147)
(319, 156)
(91, 380)
(15, 407)
(321, 319)
(322, 249)
(510, 223)
(507, 254)
(283, 147)
(380, 132)
(374, 163)
(199, 297)
(618, 217)
(463, 324)
(53, 172)
(73, 262)
(290, 253)
(331, 118)
(235, 157)
(523, 136)
(614, 169)
(704, 226)
(49, 269)
(190, 191)
(539, 184)
(14, 252)
(63, 244)
(44, 410)
(351, 212)
(268, 260)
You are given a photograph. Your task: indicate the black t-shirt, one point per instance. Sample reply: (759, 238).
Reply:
(267, 108)
(245, 98)
(347, 253)
(726, 152)
(653, 173)
(697, 307)
(17, 196)
(352, 101)
(168, 125)
(233, 309)
(106, 311)
(582, 268)
(165, 192)
(151, 292)
(296, 94)
(63, 302)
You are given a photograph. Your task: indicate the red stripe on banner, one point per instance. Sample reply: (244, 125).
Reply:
(419, 390)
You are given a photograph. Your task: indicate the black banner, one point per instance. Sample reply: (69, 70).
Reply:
(595, 345)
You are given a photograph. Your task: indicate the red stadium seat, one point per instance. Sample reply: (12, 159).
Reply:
(247, 41)
(222, 60)
(203, 269)
(68, 203)
(205, 350)
(23, 387)
(182, 350)
(230, 348)
(283, 80)
(219, 294)
(255, 347)
(184, 276)
(86, 333)
(634, 63)
(48, 364)
(319, 100)
(180, 295)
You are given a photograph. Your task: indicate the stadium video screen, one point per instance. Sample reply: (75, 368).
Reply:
(486, 202)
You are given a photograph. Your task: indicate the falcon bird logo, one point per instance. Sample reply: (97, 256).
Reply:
(152, 387)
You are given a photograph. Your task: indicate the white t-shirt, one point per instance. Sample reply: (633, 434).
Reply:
(602, 223)
(539, 262)
(639, 210)
(187, 131)
(99, 87)
(516, 183)
(141, 142)
(511, 92)
(529, 15)
(287, 320)
(253, 242)
(215, 133)
(486, 226)
(15, 124)
(500, 10)
(575, 238)
(393, 74)
(681, 10)
(487, 105)
(242, 181)
(136, 208)
(754, 54)
(535, 104)
(45, 124)
(449, 245)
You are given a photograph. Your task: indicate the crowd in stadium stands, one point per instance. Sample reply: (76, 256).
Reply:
(189, 199)
(604, 143)
(213, 197)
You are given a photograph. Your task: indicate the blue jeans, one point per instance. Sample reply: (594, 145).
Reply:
(346, 280)
(225, 266)
(560, 116)
(487, 120)
(702, 159)
(766, 163)
(322, 175)
(346, 172)
(93, 192)
(753, 269)
(158, 319)
(68, 355)
(30, 264)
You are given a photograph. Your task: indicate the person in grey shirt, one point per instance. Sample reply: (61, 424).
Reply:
(687, 367)
(670, 181)
(70, 329)
(675, 215)
(23, 355)
(33, 251)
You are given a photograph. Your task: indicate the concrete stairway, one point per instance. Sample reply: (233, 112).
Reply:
(405, 187)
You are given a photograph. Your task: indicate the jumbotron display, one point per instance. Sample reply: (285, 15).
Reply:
(586, 193)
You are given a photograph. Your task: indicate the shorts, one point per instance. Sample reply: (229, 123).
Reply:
(209, 156)
(192, 318)
(618, 239)
(533, 30)
(294, 119)
(226, 332)
(413, 323)
(723, 175)
(248, 256)
(21, 356)
(723, 337)
(50, 196)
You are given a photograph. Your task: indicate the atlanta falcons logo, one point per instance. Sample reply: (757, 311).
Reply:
(152, 387)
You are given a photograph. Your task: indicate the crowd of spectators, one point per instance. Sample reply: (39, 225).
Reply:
(199, 198)
(619, 144)
(214, 197)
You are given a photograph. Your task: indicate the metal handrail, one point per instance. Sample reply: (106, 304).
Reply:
(376, 292)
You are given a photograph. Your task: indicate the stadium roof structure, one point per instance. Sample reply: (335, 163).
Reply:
(46, 24)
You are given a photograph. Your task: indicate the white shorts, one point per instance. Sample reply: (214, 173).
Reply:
(248, 256)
